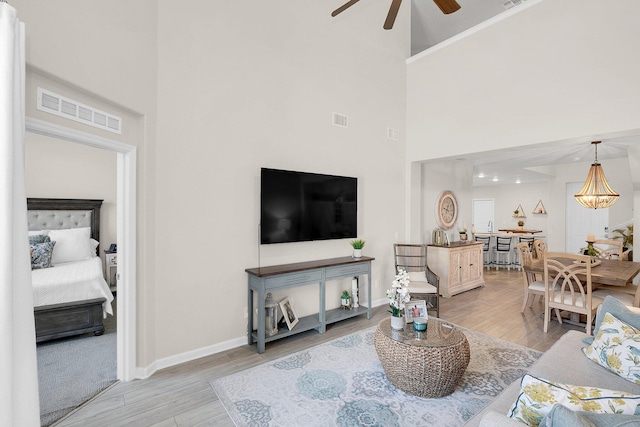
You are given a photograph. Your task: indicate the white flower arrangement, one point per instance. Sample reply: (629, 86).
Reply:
(398, 295)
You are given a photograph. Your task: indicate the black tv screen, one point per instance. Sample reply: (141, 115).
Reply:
(300, 206)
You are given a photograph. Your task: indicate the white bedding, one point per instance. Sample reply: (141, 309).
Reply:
(71, 281)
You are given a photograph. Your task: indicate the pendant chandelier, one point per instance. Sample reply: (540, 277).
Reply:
(596, 192)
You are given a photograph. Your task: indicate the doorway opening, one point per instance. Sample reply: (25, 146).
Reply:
(126, 234)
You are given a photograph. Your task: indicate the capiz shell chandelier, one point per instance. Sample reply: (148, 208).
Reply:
(596, 193)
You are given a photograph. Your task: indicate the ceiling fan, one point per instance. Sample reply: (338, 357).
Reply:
(446, 6)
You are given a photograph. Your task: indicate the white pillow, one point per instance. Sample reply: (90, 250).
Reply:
(94, 246)
(39, 233)
(72, 244)
(417, 276)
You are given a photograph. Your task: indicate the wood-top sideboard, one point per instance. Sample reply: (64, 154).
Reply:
(268, 279)
(459, 266)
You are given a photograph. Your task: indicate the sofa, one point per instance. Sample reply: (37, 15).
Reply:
(566, 363)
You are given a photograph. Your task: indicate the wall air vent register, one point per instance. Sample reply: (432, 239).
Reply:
(340, 120)
(61, 106)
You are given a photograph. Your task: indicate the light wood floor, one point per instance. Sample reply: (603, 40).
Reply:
(182, 396)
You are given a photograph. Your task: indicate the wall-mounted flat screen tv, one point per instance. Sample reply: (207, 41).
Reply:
(300, 206)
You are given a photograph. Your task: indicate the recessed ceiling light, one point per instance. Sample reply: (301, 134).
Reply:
(518, 181)
(495, 179)
(480, 175)
(576, 159)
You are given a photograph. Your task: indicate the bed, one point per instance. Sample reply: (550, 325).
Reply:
(71, 296)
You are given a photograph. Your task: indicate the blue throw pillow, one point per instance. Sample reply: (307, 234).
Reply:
(41, 255)
(562, 416)
(618, 310)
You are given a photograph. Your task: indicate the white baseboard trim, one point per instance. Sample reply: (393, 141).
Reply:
(188, 356)
(379, 302)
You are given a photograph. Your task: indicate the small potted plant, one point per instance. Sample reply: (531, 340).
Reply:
(463, 233)
(345, 300)
(398, 295)
(520, 225)
(627, 239)
(357, 246)
(592, 252)
(516, 212)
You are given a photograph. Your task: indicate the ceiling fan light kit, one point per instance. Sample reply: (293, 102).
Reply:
(596, 192)
(446, 6)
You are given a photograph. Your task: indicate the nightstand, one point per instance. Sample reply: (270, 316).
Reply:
(111, 269)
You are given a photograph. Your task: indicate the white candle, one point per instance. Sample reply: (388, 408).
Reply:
(591, 237)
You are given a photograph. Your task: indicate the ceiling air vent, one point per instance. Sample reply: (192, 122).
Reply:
(340, 120)
(508, 4)
(61, 106)
(393, 133)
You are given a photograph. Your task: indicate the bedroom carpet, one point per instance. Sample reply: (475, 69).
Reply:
(341, 383)
(73, 371)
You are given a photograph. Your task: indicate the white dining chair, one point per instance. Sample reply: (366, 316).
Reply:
(532, 288)
(608, 249)
(565, 290)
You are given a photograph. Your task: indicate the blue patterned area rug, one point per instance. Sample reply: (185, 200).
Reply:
(342, 383)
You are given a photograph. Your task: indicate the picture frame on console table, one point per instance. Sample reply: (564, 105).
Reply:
(416, 308)
(289, 313)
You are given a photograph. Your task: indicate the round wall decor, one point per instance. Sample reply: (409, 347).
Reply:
(446, 210)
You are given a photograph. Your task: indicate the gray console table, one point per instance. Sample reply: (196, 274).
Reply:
(267, 279)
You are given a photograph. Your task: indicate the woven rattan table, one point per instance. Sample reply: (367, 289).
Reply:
(426, 364)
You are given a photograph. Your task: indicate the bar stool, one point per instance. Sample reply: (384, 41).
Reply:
(486, 255)
(529, 241)
(502, 252)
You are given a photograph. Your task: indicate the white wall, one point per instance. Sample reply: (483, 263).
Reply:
(618, 175)
(551, 72)
(245, 85)
(104, 54)
(60, 169)
(438, 176)
(239, 86)
(508, 197)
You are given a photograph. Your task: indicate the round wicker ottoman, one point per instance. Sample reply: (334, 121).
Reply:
(427, 364)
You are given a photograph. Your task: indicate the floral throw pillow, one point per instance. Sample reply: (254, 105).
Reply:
(616, 347)
(38, 238)
(538, 396)
(41, 255)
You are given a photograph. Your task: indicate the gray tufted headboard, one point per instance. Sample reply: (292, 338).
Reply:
(56, 214)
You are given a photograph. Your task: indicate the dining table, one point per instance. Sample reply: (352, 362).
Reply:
(608, 272)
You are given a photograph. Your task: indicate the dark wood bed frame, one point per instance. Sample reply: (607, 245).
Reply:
(72, 318)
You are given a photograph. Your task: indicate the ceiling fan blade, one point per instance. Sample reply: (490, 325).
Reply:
(447, 6)
(391, 16)
(344, 7)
